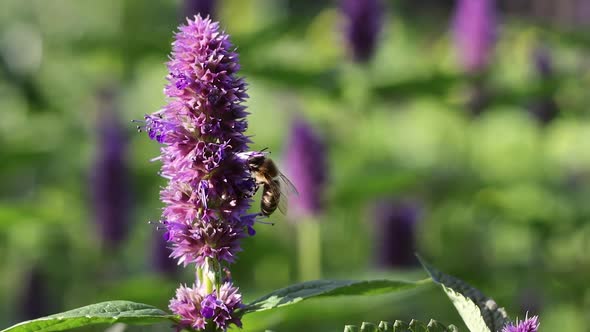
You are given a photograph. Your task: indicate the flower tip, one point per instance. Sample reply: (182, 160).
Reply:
(528, 325)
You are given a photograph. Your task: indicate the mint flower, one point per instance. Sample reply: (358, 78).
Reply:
(160, 259)
(198, 7)
(33, 301)
(110, 175)
(395, 233)
(203, 157)
(544, 109)
(197, 308)
(527, 325)
(474, 29)
(363, 21)
(202, 131)
(306, 167)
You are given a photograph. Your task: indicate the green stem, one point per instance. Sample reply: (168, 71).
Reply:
(209, 276)
(309, 249)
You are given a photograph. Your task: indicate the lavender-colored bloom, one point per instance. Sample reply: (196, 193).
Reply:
(479, 98)
(543, 63)
(198, 7)
(306, 167)
(202, 132)
(395, 233)
(545, 109)
(204, 155)
(197, 309)
(161, 260)
(530, 300)
(474, 29)
(34, 295)
(362, 26)
(110, 178)
(527, 325)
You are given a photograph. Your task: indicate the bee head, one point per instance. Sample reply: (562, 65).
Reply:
(255, 162)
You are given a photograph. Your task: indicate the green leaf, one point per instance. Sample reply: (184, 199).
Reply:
(299, 292)
(105, 312)
(434, 326)
(479, 312)
(416, 326)
(385, 326)
(368, 327)
(399, 326)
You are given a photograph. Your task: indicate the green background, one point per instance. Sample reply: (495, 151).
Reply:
(504, 199)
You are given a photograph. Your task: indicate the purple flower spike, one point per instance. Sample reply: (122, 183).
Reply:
(204, 158)
(543, 62)
(306, 167)
(34, 297)
(197, 309)
(199, 7)
(202, 131)
(362, 26)
(474, 29)
(527, 325)
(161, 260)
(395, 229)
(110, 176)
(544, 109)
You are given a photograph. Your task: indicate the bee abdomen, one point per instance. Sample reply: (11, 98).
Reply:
(270, 199)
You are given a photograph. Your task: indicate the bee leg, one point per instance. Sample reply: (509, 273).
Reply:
(256, 187)
(260, 216)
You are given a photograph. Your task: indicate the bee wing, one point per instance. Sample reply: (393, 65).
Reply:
(286, 188)
(283, 203)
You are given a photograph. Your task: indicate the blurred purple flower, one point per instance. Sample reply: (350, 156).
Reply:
(479, 98)
(110, 177)
(196, 308)
(199, 7)
(306, 167)
(161, 260)
(544, 109)
(395, 233)
(527, 325)
(543, 63)
(362, 27)
(33, 300)
(474, 29)
(530, 300)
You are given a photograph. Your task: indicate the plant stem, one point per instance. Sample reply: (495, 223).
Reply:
(309, 249)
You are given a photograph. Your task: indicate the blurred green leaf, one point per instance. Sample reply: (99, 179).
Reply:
(299, 292)
(105, 312)
(400, 326)
(480, 313)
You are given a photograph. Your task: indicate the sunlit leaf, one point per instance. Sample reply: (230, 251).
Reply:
(480, 313)
(105, 312)
(400, 326)
(299, 292)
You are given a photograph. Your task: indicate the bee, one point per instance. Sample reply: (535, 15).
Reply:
(275, 185)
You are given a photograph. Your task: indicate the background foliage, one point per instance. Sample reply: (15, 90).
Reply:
(502, 198)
